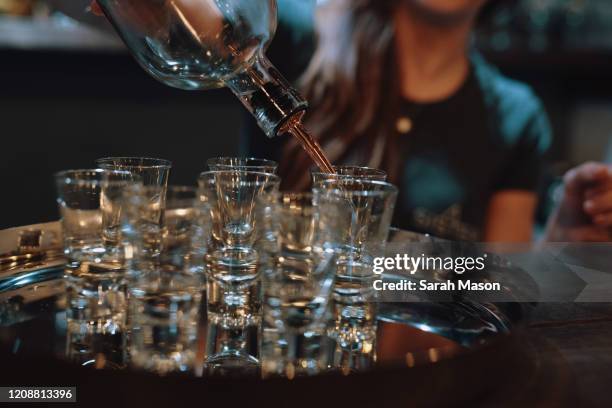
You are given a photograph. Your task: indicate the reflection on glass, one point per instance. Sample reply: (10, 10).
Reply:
(234, 327)
(163, 320)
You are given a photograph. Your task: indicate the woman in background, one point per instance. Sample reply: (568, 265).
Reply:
(394, 84)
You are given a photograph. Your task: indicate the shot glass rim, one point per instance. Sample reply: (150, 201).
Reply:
(155, 163)
(264, 163)
(376, 172)
(62, 175)
(275, 177)
(389, 188)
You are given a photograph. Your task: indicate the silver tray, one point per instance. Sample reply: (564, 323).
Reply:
(32, 306)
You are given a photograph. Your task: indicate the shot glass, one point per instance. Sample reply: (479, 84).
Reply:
(234, 308)
(181, 214)
(143, 227)
(232, 196)
(89, 203)
(153, 175)
(296, 300)
(187, 228)
(150, 171)
(357, 215)
(95, 342)
(285, 223)
(297, 290)
(356, 172)
(295, 213)
(242, 163)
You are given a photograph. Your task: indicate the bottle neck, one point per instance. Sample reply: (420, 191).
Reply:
(267, 95)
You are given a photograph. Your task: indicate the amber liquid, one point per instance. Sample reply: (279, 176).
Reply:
(295, 127)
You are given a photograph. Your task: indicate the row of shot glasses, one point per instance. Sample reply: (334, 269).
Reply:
(286, 278)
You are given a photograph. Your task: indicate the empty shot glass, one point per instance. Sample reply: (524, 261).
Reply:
(242, 163)
(96, 343)
(181, 215)
(297, 290)
(151, 171)
(295, 214)
(153, 174)
(357, 215)
(232, 196)
(187, 228)
(359, 212)
(233, 269)
(89, 203)
(143, 227)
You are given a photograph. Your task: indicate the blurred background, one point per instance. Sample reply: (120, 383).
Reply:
(70, 93)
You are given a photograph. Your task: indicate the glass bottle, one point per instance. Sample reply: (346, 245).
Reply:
(205, 44)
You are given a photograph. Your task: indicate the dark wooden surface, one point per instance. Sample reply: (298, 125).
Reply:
(577, 337)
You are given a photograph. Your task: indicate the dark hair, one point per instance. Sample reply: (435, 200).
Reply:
(350, 84)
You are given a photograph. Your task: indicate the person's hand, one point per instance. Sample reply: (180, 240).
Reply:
(585, 210)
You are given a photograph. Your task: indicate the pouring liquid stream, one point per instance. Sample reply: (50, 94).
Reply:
(312, 147)
(296, 129)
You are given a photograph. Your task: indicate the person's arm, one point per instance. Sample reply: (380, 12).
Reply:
(510, 216)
